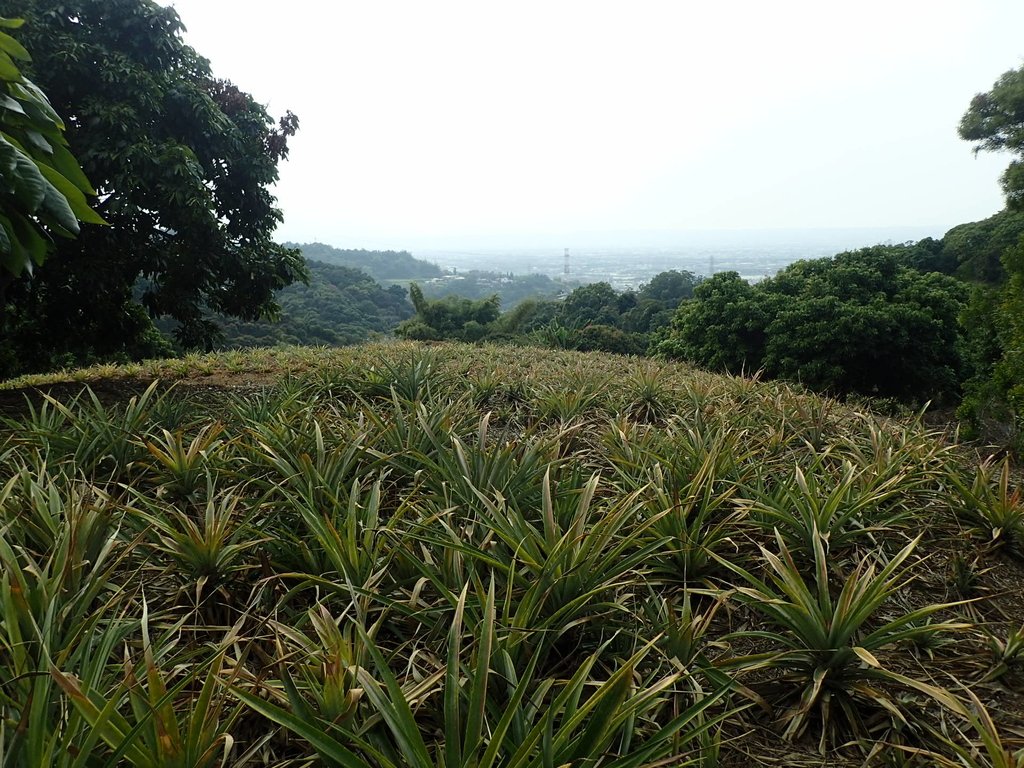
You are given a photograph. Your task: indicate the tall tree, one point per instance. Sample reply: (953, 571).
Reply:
(181, 161)
(995, 121)
(994, 249)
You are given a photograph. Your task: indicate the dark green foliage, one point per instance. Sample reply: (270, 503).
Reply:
(977, 248)
(340, 306)
(929, 255)
(596, 303)
(449, 318)
(861, 322)
(993, 405)
(380, 265)
(722, 328)
(991, 252)
(669, 288)
(528, 316)
(182, 163)
(596, 318)
(607, 338)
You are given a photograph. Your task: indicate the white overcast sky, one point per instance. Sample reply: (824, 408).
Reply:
(428, 122)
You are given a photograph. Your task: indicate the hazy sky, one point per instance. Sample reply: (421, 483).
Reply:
(427, 122)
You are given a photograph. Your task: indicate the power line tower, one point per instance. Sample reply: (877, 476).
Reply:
(565, 269)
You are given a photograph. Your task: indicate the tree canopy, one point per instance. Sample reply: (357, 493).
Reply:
(995, 122)
(181, 162)
(451, 317)
(861, 322)
(339, 306)
(380, 265)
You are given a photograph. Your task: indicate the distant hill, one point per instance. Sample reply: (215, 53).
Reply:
(341, 305)
(479, 284)
(380, 265)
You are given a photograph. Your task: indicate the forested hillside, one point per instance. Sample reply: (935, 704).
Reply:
(380, 265)
(593, 317)
(341, 305)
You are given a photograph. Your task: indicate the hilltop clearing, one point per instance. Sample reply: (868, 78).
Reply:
(425, 555)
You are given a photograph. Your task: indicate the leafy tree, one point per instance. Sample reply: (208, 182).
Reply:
(527, 316)
(670, 288)
(993, 404)
(993, 253)
(863, 322)
(723, 328)
(607, 338)
(860, 322)
(1010, 369)
(977, 247)
(995, 122)
(181, 161)
(452, 317)
(42, 188)
(592, 304)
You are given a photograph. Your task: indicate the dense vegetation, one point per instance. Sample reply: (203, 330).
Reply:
(339, 305)
(380, 265)
(863, 322)
(991, 257)
(465, 556)
(592, 317)
(182, 163)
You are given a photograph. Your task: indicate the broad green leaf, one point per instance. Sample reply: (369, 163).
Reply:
(12, 47)
(74, 197)
(8, 69)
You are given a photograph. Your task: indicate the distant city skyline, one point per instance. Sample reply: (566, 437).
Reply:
(461, 122)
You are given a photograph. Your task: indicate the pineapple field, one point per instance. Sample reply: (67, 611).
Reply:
(496, 557)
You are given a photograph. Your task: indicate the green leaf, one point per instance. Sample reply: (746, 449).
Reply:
(12, 47)
(67, 165)
(12, 104)
(74, 198)
(478, 695)
(31, 95)
(30, 186)
(34, 244)
(17, 258)
(311, 732)
(394, 707)
(102, 716)
(8, 69)
(5, 240)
